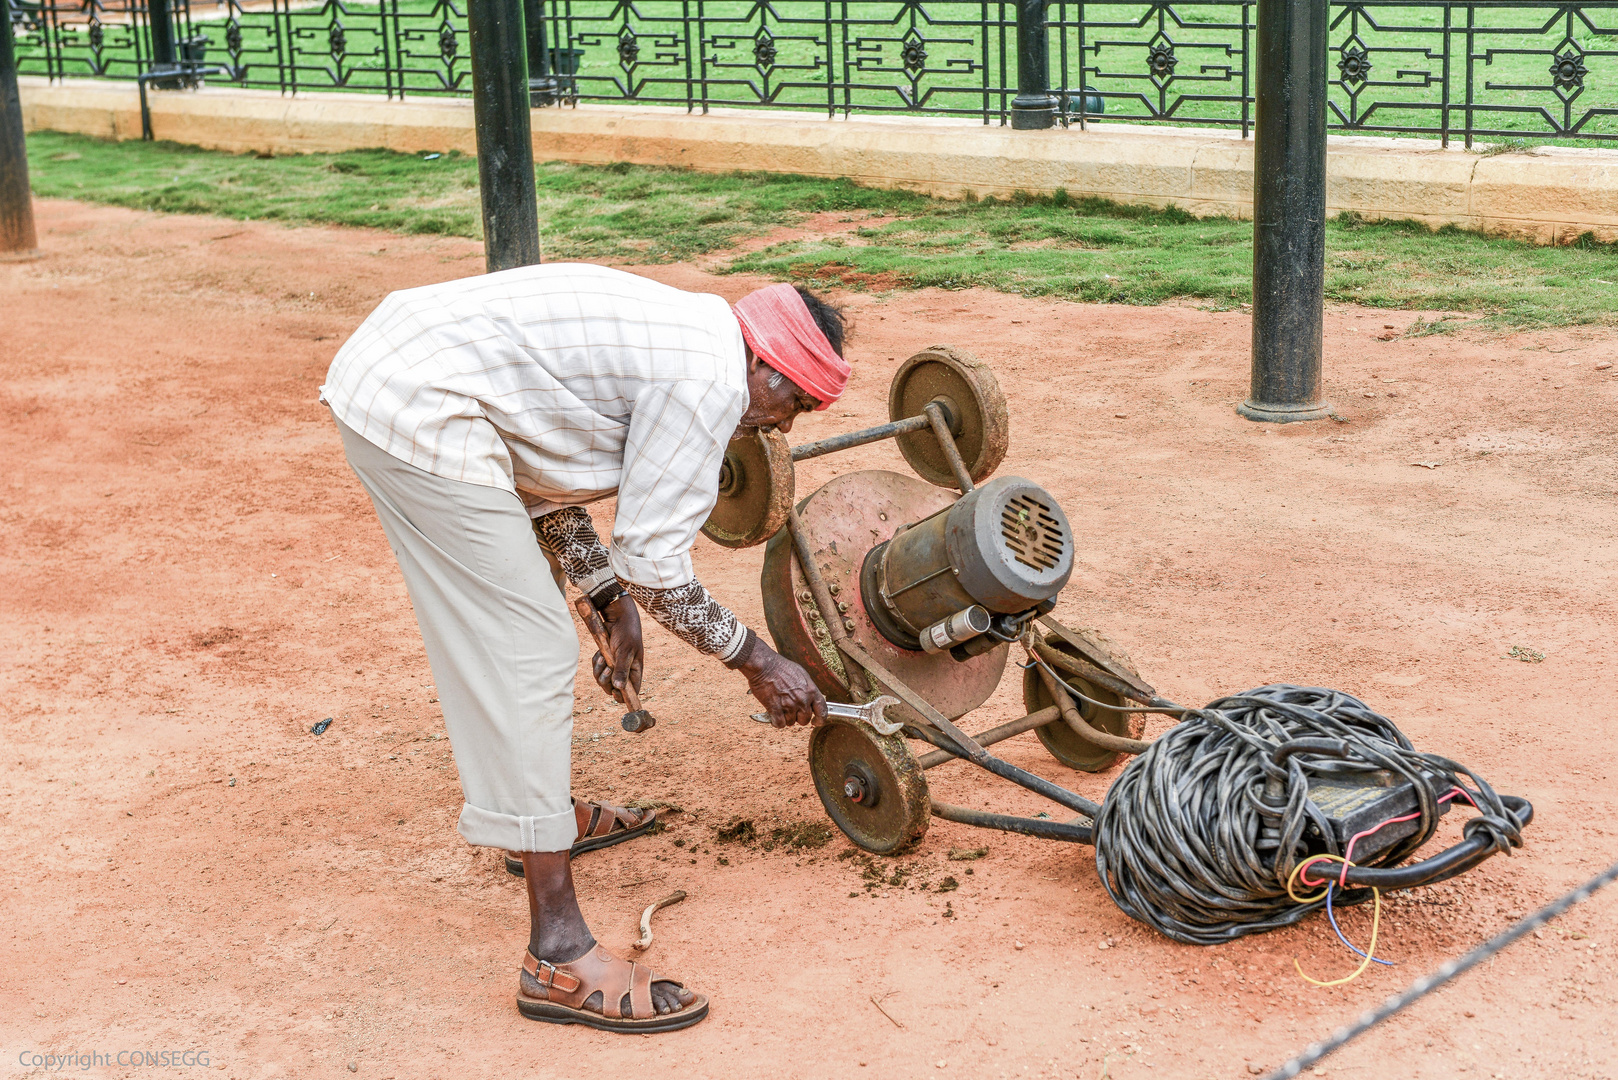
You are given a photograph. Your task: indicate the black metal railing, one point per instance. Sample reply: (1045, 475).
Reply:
(1493, 68)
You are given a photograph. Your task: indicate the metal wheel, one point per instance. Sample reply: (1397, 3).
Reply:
(871, 786)
(1065, 744)
(755, 491)
(972, 400)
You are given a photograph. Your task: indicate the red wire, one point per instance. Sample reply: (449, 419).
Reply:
(1348, 853)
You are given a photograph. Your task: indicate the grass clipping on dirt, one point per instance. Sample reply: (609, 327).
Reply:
(1078, 249)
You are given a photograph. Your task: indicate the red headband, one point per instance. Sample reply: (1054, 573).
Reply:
(777, 326)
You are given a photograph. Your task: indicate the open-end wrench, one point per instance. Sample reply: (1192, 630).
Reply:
(872, 714)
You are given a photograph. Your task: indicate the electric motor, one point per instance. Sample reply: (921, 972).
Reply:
(1005, 547)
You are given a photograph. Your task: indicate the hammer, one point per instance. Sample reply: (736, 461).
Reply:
(872, 714)
(638, 719)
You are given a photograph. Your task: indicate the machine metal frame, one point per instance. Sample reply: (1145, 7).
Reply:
(942, 418)
(1058, 658)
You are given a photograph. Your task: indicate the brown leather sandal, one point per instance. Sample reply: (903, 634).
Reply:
(556, 993)
(599, 827)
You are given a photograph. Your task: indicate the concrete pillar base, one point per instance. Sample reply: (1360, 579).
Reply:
(1284, 414)
(1033, 113)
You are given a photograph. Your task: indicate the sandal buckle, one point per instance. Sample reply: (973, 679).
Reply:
(550, 977)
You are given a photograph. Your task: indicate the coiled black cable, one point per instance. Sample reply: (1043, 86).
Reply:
(1199, 835)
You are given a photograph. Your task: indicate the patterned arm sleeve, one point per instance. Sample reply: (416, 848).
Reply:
(692, 615)
(570, 535)
(687, 611)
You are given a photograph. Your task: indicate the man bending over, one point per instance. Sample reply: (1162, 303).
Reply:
(482, 412)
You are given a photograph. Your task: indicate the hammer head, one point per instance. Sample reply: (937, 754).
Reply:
(639, 720)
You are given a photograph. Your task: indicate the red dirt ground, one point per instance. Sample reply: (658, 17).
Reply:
(193, 577)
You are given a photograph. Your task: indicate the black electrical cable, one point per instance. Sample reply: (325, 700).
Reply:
(1449, 863)
(1168, 708)
(1200, 833)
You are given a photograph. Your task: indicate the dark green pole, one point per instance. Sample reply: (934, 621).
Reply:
(541, 86)
(1289, 211)
(16, 204)
(1033, 107)
(161, 19)
(504, 137)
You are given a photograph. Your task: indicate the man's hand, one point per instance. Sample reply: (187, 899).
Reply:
(628, 654)
(783, 687)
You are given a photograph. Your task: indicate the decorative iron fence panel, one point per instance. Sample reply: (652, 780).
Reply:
(1495, 68)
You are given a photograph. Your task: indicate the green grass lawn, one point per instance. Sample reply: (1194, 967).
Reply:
(608, 212)
(345, 44)
(1071, 248)
(1098, 251)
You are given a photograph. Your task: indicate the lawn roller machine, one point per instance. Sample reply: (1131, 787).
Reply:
(911, 592)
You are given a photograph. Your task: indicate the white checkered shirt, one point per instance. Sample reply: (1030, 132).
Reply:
(565, 383)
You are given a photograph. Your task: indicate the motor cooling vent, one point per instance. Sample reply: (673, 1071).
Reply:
(1033, 533)
(1005, 546)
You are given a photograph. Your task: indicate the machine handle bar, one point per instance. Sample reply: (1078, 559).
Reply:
(859, 438)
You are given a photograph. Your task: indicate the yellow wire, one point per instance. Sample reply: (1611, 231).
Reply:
(1376, 919)
(1297, 871)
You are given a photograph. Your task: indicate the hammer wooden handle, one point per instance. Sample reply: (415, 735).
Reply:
(637, 719)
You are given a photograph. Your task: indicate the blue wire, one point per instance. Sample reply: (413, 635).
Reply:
(1330, 915)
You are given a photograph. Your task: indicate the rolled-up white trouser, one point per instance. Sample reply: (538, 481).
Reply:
(500, 641)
